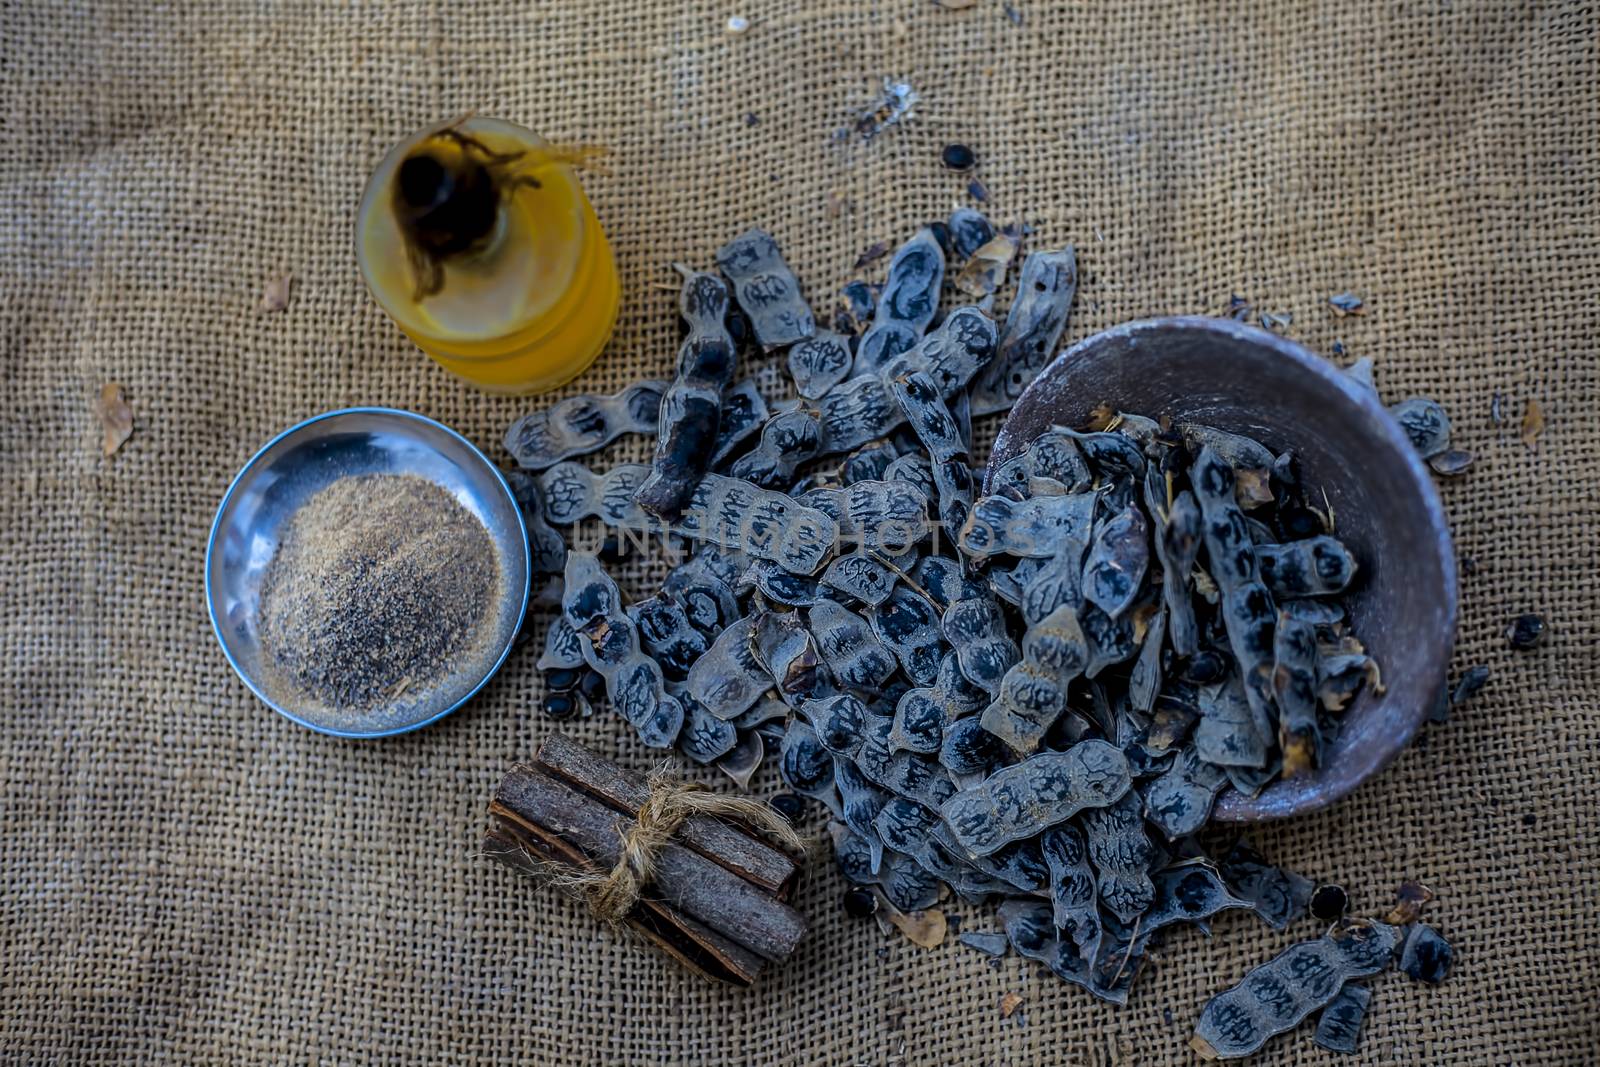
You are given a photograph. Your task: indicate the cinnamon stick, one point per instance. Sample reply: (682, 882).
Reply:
(728, 846)
(707, 892)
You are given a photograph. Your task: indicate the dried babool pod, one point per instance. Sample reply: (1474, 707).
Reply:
(1032, 932)
(1144, 681)
(1020, 865)
(909, 625)
(1278, 896)
(563, 646)
(781, 587)
(976, 629)
(807, 766)
(856, 411)
(990, 944)
(881, 516)
(665, 634)
(1248, 613)
(1117, 560)
(1073, 887)
(1033, 693)
(1426, 956)
(546, 547)
(969, 752)
(789, 653)
(1294, 682)
(1226, 734)
(909, 299)
(969, 231)
(1179, 801)
(853, 854)
(1341, 676)
(788, 439)
(857, 300)
(1110, 641)
(1034, 527)
(579, 425)
(1112, 454)
(1033, 796)
(869, 462)
(1319, 613)
(729, 677)
(634, 685)
(951, 355)
(926, 412)
(1276, 996)
(1122, 854)
(860, 801)
(1178, 534)
(820, 362)
(744, 410)
(1425, 423)
(914, 470)
(744, 760)
(705, 738)
(848, 645)
(1317, 566)
(921, 714)
(1034, 325)
(691, 409)
(1339, 1026)
(1052, 456)
(1190, 892)
(766, 289)
(860, 576)
(1238, 451)
(1050, 584)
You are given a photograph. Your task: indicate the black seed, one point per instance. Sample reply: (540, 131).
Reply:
(592, 687)
(860, 902)
(1205, 667)
(958, 157)
(751, 119)
(562, 679)
(613, 549)
(1296, 523)
(790, 805)
(1525, 632)
(1530, 819)
(560, 706)
(1329, 902)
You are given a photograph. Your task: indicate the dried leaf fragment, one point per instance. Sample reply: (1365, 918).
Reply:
(986, 270)
(1009, 1004)
(1252, 487)
(116, 417)
(1532, 424)
(871, 255)
(925, 928)
(275, 297)
(1410, 899)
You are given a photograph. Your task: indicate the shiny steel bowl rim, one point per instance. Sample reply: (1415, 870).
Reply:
(222, 508)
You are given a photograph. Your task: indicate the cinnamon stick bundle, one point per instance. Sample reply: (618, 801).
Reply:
(714, 898)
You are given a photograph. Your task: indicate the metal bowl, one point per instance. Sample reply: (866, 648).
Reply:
(295, 465)
(1249, 381)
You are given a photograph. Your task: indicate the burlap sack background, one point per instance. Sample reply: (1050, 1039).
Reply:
(189, 878)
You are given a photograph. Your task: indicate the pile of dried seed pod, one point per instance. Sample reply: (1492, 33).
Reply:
(1033, 696)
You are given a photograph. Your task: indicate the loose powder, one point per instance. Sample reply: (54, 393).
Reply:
(381, 585)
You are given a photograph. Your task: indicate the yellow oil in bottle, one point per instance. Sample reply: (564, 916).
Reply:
(479, 242)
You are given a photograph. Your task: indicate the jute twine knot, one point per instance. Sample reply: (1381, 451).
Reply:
(613, 895)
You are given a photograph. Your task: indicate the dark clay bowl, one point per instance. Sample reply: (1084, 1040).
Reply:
(1239, 378)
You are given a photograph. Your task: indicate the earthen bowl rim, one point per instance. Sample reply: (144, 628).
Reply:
(1320, 374)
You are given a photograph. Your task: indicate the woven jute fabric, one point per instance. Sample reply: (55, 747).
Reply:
(187, 877)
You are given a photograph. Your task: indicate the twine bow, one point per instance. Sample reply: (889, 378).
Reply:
(611, 896)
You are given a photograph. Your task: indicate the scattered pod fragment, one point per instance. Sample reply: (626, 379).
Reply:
(1191, 891)
(819, 363)
(1451, 463)
(1425, 424)
(806, 766)
(1339, 1026)
(691, 408)
(1278, 896)
(857, 300)
(634, 684)
(705, 738)
(579, 425)
(1033, 328)
(1277, 995)
(1035, 795)
(789, 654)
(1073, 887)
(1426, 956)
(744, 760)
(1227, 734)
(869, 462)
(1238, 451)
(1052, 455)
(969, 231)
(766, 289)
(933, 424)
(563, 647)
(1526, 632)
